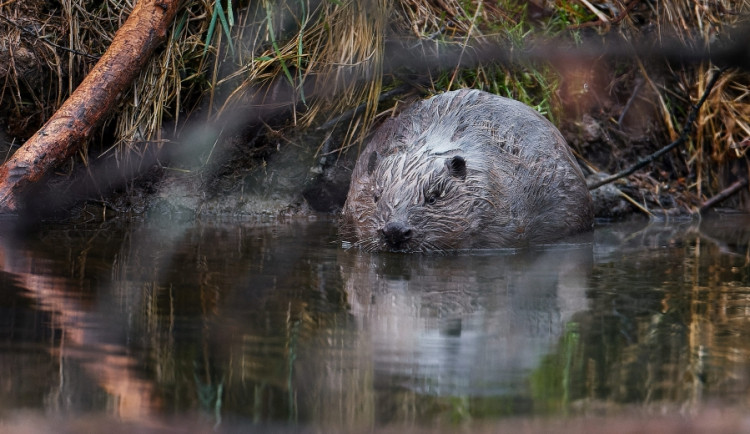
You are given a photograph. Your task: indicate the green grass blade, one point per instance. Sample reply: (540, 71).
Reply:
(300, 51)
(225, 25)
(209, 33)
(276, 49)
(218, 13)
(180, 26)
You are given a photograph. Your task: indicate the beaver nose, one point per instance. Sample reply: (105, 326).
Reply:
(396, 234)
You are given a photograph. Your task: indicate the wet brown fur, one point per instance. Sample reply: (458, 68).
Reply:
(520, 185)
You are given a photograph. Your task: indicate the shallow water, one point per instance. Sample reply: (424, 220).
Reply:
(229, 326)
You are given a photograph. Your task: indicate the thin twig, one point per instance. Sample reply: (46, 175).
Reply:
(637, 89)
(635, 203)
(680, 140)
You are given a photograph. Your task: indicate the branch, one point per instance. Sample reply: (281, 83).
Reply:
(732, 189)
(74, 121)
(680, 140)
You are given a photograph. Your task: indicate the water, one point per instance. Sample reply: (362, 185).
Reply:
(231, 326)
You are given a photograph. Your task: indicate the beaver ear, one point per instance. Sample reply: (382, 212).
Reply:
(456, 167)
(372, 162)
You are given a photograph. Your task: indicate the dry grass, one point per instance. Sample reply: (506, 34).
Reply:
(724, 121)
(25, 97)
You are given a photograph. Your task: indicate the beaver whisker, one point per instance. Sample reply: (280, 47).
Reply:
(368, 245)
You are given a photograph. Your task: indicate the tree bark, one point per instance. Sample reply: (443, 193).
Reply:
(64, 133)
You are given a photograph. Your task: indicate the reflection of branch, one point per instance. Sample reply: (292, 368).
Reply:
(103, 357)
(680, 140)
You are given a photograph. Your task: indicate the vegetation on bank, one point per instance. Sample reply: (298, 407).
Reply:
(340, 66)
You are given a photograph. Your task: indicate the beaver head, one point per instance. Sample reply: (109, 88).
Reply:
(413, 198)
(461, 170)
(427, 198)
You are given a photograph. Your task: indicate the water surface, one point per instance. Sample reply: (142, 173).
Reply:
(230, 326)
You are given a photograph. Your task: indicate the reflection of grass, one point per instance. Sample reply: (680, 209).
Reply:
(460, 410)
(552, 382)
(667, 328)
(292, 357)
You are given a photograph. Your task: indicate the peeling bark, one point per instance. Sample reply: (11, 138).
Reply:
(62, 135)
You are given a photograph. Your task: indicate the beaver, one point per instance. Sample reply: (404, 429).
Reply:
(465, 170)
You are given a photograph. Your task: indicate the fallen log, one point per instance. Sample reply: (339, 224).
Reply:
(64, 133)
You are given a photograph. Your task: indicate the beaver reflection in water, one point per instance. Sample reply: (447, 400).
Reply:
(465, 170)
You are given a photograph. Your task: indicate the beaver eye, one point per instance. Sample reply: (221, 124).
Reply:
(431, 199)
(375, 197)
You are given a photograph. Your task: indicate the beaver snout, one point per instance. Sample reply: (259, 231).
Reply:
(396, 234)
